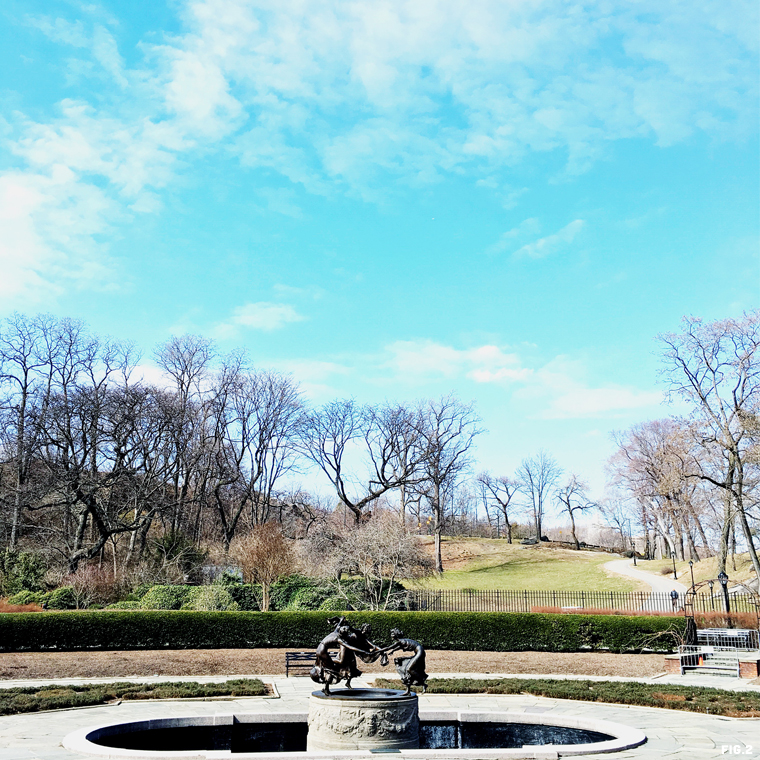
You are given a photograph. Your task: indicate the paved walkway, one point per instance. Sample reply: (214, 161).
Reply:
(671, 734)
(663, 583)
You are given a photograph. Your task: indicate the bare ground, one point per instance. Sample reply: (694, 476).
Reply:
(202, 662)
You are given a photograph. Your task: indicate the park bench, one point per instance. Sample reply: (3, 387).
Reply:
(300, 660)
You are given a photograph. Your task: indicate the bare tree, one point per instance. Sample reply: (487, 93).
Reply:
(265, 555)
(447, 433)
(27, 349)
(498, 493)
(381, 552)
(343, 439)
(572, 498)
(715, 366)
(255, 417)
(537, 477)
(655, 463)
(187, 362)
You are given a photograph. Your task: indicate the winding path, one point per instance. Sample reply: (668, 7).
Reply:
(661, 583)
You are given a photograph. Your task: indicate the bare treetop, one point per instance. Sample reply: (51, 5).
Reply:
(383, 437)
(716, 367)
(537, 477)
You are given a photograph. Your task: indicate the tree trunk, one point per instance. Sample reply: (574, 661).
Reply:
(750, 543)
(572, 530)
(725, 533)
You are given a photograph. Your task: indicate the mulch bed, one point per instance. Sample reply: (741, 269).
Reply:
(208, 662)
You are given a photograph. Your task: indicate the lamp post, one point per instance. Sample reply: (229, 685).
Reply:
(691, 569)
(673, 557)
(723, 578)
(712, 598)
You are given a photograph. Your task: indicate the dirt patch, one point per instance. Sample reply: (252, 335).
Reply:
(201, 662)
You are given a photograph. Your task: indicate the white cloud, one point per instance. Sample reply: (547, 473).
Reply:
(550, 244)
(421, 360)
(348, 94)
(557, 389)
(598, 402)
(261, 315)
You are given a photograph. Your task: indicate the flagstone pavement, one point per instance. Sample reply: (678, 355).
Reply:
(671, 734)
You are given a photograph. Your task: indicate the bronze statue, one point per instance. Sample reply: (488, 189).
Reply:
(350, 642)
(411, 670)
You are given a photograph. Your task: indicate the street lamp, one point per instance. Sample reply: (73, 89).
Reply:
(673, 557)
(691, 569)
(712, 598)
(723, 578)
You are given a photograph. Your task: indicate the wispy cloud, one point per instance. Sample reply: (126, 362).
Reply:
(555, 389)
(550, 244)
(350, 94)
(262, 315)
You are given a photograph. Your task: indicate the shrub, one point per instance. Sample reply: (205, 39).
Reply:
(62, 598)
(5, 607)
(27, 597)
(22, 571)
(210, 598)
(484, 631)
(138, 592)
(283, 591)
(125, 605)
(246, 596)
(334, 604)
(165, 597)
(311, 598)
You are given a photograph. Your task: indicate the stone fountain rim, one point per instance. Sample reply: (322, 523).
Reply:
(624, 737)
(363, 695)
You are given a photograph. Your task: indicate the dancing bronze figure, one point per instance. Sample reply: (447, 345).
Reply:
(350, 642)
(411, 670)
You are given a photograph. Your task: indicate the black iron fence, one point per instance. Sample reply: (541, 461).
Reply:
(511, 600)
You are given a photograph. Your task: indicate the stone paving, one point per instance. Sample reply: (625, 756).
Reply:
(671, 734)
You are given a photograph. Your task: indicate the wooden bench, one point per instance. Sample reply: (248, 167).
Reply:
(298, 661)
(301, 660)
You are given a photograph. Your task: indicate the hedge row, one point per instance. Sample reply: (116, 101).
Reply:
(477, 631)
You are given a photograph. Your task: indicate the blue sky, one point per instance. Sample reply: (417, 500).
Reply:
(392, 199)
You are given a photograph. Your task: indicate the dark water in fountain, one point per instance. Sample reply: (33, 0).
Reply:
(291, 737)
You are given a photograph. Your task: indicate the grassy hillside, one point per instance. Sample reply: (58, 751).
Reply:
(482, 563)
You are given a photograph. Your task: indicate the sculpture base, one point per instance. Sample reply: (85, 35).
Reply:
(366, 719)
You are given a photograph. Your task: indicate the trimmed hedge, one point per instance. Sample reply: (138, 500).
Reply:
(476, 631)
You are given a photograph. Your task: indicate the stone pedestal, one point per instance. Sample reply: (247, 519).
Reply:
(367, 719)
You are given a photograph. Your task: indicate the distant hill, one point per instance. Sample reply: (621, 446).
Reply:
(487, 563)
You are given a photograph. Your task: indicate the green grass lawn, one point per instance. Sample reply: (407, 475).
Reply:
(689, 698)
(477, 563)
(39, 698)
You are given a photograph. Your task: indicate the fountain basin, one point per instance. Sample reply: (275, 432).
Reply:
(363, 719)
(444, 735)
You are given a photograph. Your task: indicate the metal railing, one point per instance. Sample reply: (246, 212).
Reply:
(729, 638)
(714, 659)
(512, 600)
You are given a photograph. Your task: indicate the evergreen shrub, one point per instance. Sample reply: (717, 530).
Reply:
(477, 631)
(166, 597)
(210, 598)
(62, 598)
(245, 596)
